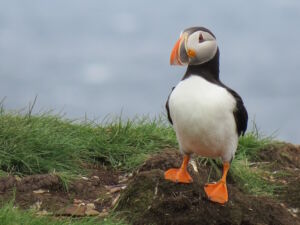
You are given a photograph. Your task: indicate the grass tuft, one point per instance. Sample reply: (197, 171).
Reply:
(45, 143)
(250, 180)
(12, 215)
(251, 143)
(31, 144)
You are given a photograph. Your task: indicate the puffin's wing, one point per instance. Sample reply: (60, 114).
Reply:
(240, 113)
(168, 109)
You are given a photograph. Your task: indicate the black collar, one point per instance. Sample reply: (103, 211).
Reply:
(208, 70)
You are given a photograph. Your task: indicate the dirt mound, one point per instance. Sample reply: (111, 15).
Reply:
(30, 183)
(150, 199)
(47, 192)
(281, 155)
(283, 164)
(165, 160)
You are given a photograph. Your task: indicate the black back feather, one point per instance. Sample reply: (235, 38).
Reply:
(168, 109)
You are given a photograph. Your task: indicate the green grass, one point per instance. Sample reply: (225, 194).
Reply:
(45, 143)
(9, 215)
(31, 144)
(251, 180)
(251, 143)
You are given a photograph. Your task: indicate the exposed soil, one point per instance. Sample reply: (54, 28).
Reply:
(283, 164)
(281, 155)
(147, 198)
(47, 193)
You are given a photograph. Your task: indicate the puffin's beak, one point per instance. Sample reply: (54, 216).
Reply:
(175, 58)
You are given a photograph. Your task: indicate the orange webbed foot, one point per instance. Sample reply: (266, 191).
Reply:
(178, 176)
(217, 192)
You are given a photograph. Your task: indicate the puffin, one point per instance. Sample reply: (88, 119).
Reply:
(208, 117)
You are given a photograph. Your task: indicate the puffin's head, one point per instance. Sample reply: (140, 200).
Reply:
(195, 46)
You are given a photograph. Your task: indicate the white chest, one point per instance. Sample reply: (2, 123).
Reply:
(202, 115)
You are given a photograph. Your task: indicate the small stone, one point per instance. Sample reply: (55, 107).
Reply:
(90, 206)
(18, 178)
(75, 211)
(36, 206)
(156, 190)
(194, 165)
(96, 177)
(40, 191)
(283, 181)
(293, 210)
(98, 199)
(77, 201)
(282, 205)
(84, 178)
(114, 202)
(123, 180)
(43, 213)
(91, 212)
(103, 214)
(115, 189)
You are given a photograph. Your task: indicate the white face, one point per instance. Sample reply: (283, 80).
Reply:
(196, 45)
(200, 47)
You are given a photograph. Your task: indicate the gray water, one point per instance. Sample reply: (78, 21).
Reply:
(104, 57)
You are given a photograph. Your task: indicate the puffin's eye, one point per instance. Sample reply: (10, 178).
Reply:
(201, 39)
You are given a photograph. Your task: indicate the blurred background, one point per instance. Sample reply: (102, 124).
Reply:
(100, 58)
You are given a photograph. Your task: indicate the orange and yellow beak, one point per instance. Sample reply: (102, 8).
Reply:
(180, 55)
(175, 55)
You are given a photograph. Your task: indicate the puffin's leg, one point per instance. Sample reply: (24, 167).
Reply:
(180, 175)
(217, 192)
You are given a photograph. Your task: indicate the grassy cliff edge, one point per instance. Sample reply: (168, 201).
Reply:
(45, 143)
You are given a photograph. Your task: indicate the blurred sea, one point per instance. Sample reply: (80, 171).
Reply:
(103, 57)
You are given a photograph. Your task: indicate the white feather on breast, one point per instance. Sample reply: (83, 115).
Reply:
(203, 119)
